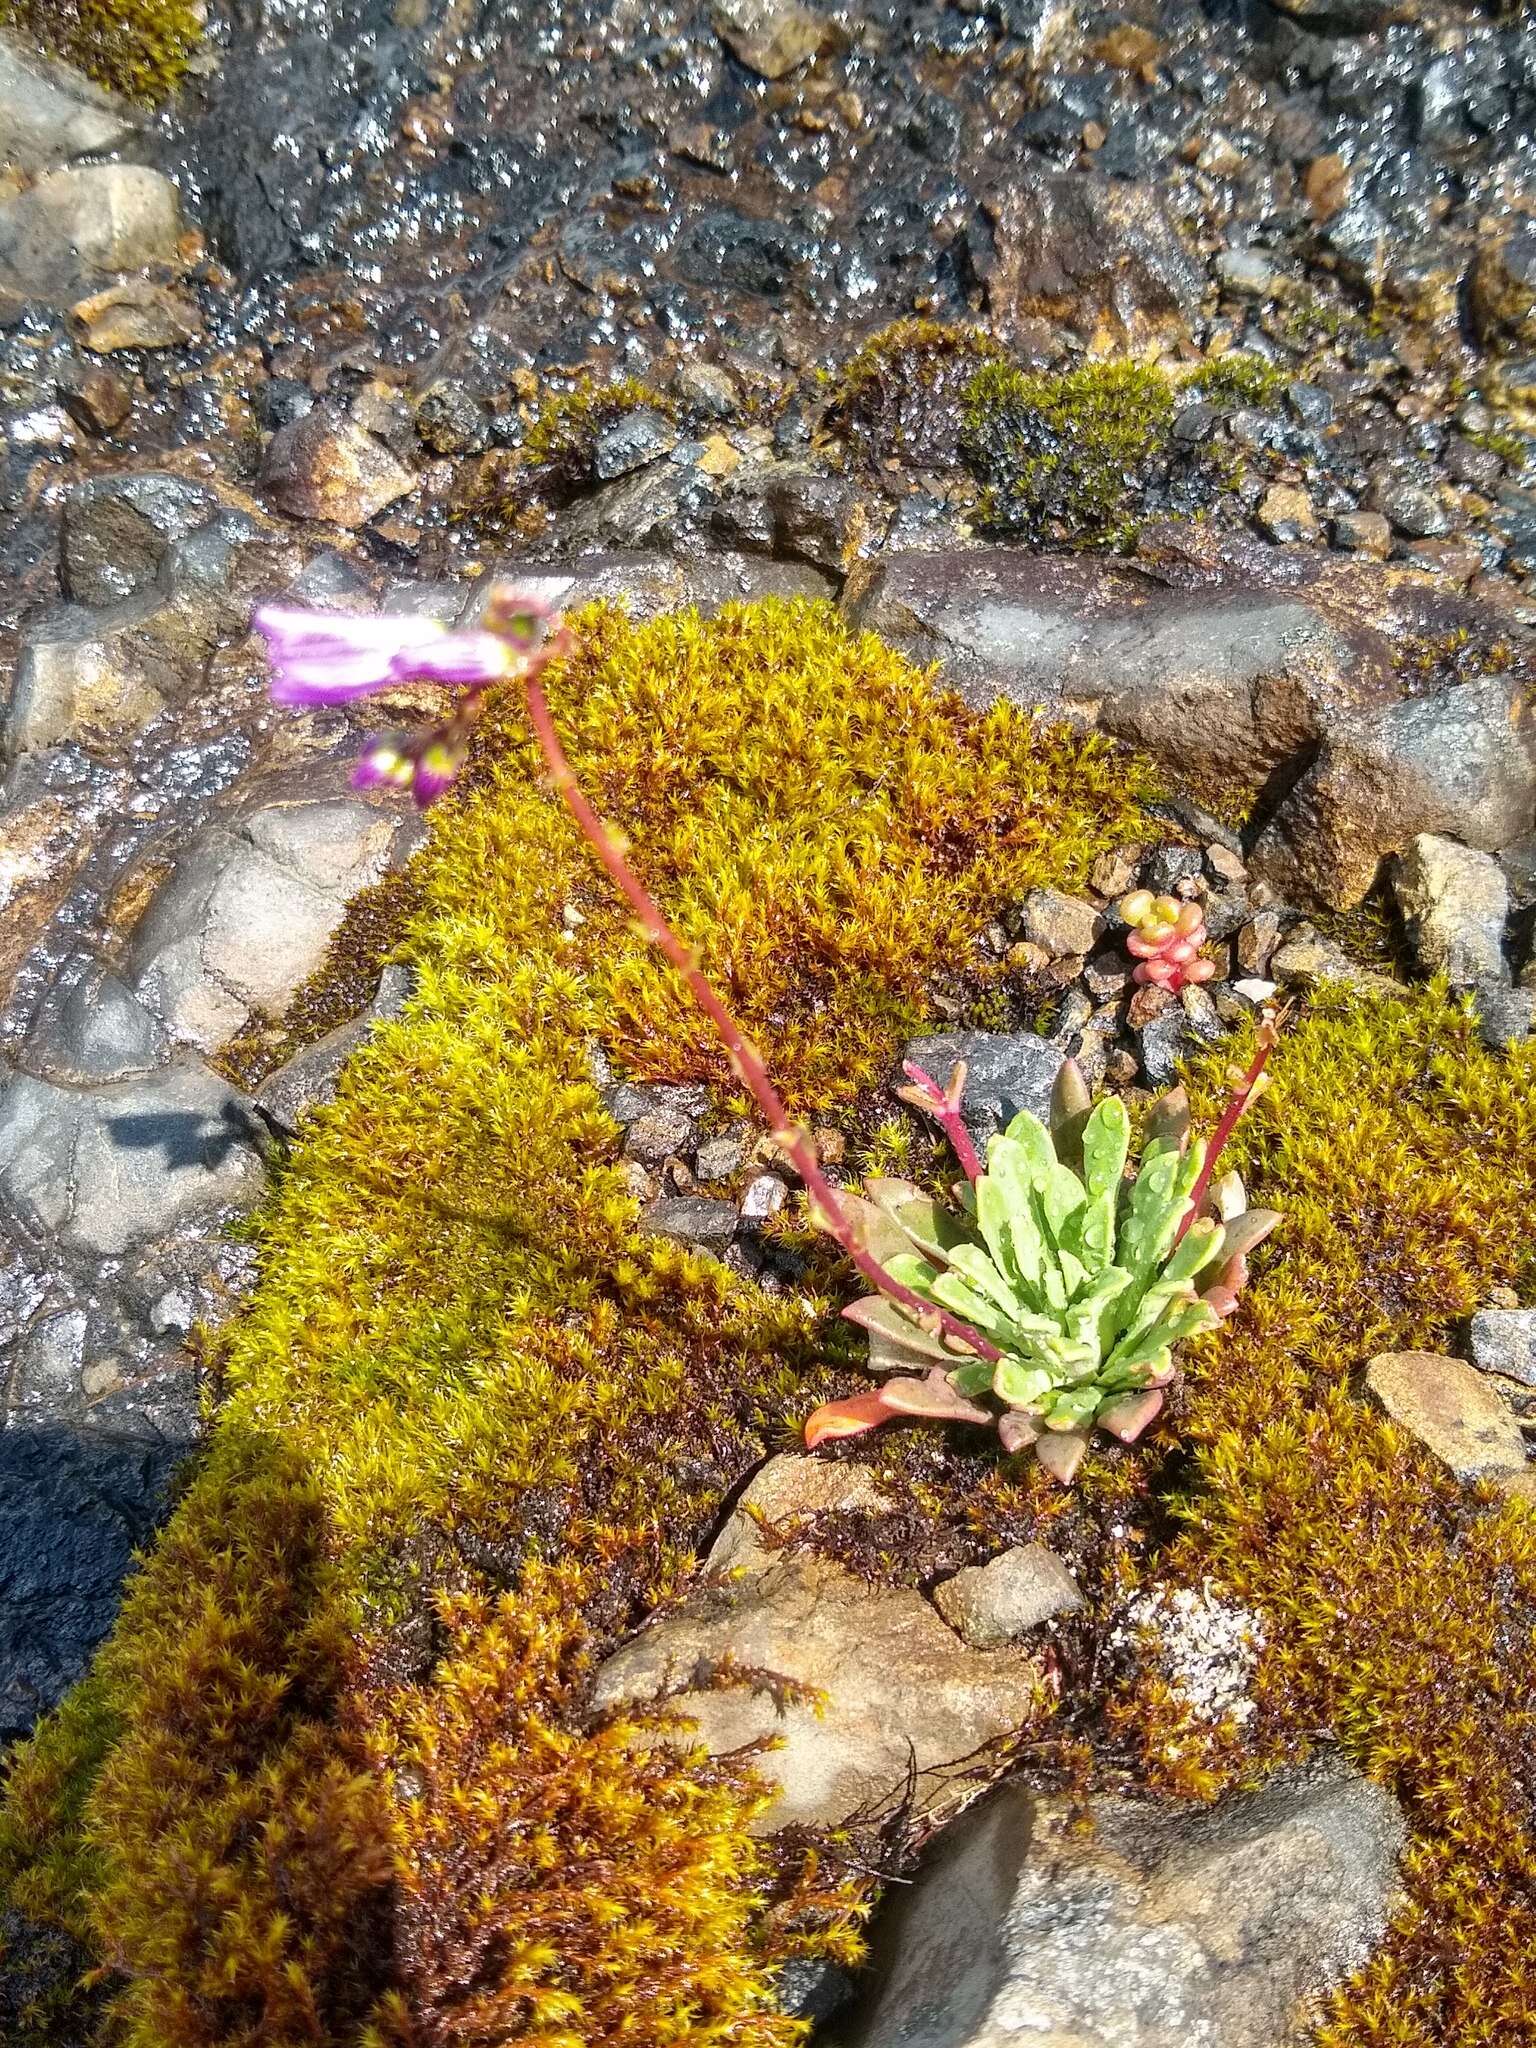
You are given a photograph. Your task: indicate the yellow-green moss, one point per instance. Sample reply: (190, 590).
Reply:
(900, 397)
(1066, 456)
(1240, 378)
(139, 48)
(464, 1366)
(1400, 1607)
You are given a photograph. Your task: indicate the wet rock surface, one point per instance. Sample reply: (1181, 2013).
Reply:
(1225, 1925)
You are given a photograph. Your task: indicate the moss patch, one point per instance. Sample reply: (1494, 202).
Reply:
(1065, 457)
(313, 1795)
(1240, 378)
(1400, 1607)
(138, 48)
(901, 397)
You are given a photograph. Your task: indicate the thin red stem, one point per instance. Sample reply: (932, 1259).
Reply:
(744, 1056)
(1228, 1123)
(947, 1116)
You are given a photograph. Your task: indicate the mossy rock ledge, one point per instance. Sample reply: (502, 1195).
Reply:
(346, 1773)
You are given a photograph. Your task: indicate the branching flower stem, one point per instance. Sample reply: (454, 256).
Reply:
(1247, 1086)
(744, 1056)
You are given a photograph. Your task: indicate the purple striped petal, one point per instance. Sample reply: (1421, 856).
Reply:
(333, 657)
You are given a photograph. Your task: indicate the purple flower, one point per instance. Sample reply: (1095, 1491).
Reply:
(331, 657)
(425, 761)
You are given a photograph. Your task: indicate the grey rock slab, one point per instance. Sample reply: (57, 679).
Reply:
(1505, 1016)
(901, 1690)
(1155, 1927)
(1005, 1598)
(80, 225)
(1461, 764)
(99, 1032)
(309, 1080)
(49, 113)
(106, 1169)
(1503, 1341)
(1455, 902)
(250, 910)
(1004, 1073)
(1233, 680)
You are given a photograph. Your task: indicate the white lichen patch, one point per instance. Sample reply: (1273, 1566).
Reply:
(1205, 1645)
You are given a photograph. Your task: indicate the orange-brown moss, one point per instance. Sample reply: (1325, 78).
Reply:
(1400, 1607)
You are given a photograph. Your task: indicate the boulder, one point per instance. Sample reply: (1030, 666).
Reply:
(1455, 1414)
(77, 226)
(1152, 1926)
(49, 113)
(1455, 903)
(324, 467)
(649, 583)
(1461, 764)
(1235, 680)
(106, 1169)
(1004, 1599)
(1098, 255)
(771, 37)
(250, 909)
(900, 1692)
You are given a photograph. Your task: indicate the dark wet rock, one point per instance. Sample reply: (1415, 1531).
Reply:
(1230, 680)
(138, 314)
(250, 910)
(639, 436)
(324, 467)
(1004, 1599)
(648, 583)
(119, 529)
(1162, 1042)
(693, 1219)
(1519, 864)
(96, 398)
(1095, 254)
(902, 1692)
(1173, 870)
(641, 510)
(74, 227)
(308, 1081)
(1225, 1922)
(771, 37)
(1461, 764)
(1501, 289)
(50, 113)
(1411, 507)
(105, 1169)
(707, 389)
(811, 1988)
(450, 420)
(1503, 1341)
(1455, 904)
(73, 1510)
(1005, 1072)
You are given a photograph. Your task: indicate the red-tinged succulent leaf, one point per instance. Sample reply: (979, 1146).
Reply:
(1018, 1430)
(875, 1228)
(1228, 1284)
(1200, 970)
(1061, 1452)
(834, 1419)
(933, 1399)
(881, 1317)
(1129, 1416)
(1143, 949)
